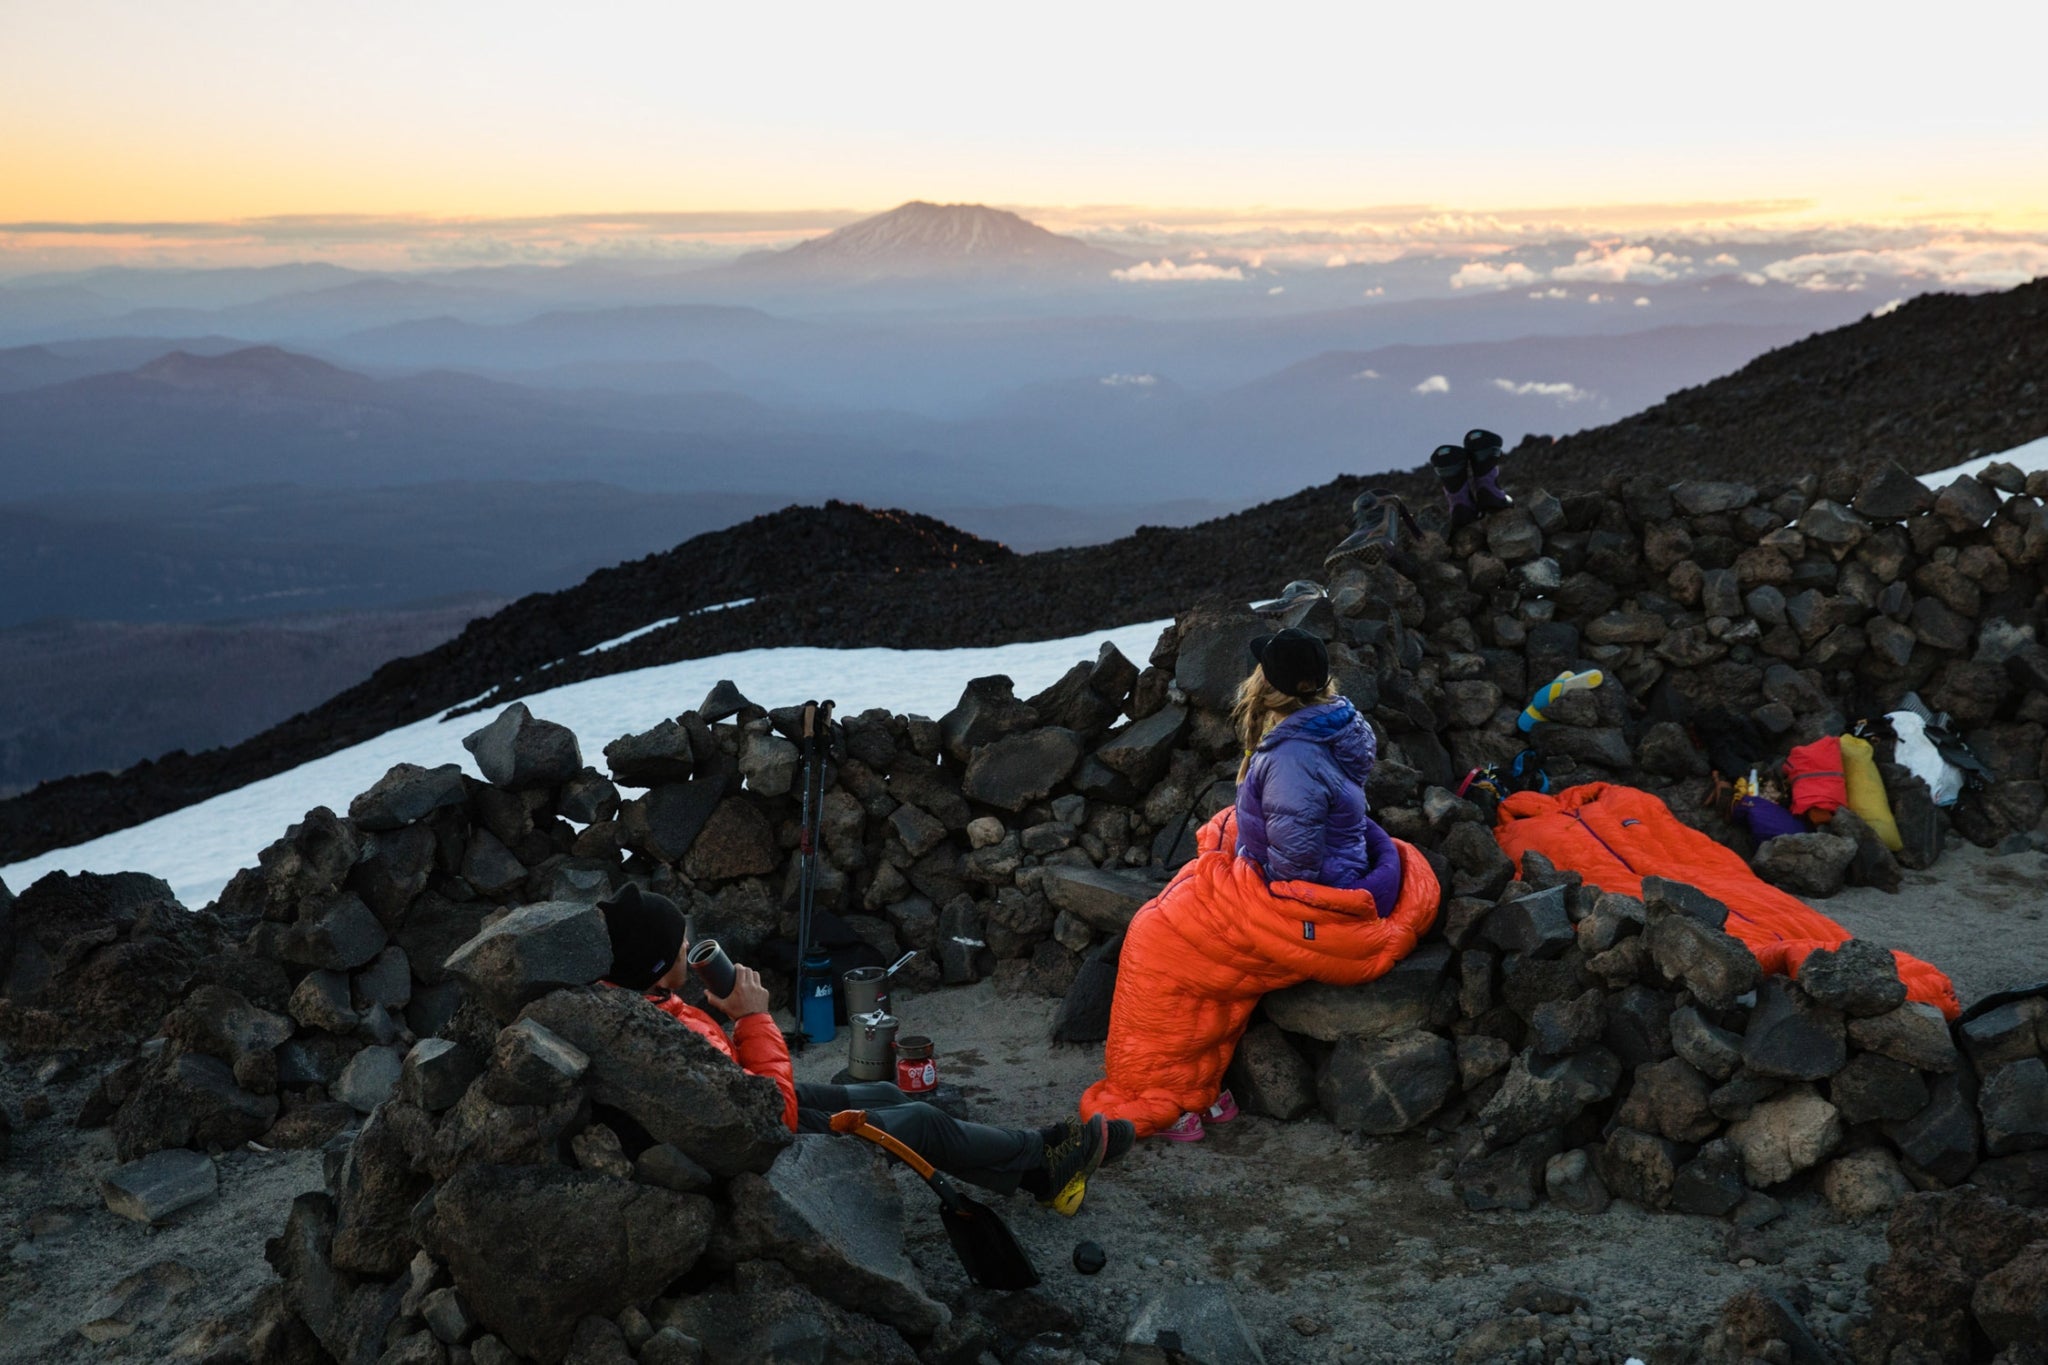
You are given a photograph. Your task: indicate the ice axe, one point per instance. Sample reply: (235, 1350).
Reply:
(987, 1249)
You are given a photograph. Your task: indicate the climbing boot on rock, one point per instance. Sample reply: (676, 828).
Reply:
(1079, 1152)
(1378, 517)
(1483, 448)
(1454, 471)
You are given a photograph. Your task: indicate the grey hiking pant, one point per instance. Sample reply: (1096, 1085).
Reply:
(993, 1158)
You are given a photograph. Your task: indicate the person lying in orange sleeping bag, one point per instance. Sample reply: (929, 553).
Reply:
(1199, 955)
(1614, 836)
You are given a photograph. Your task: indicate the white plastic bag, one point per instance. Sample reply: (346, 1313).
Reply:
(1917, 755)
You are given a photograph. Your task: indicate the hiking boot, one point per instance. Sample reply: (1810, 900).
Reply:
(1186, 1128)
(1378, 517)
(1484, 448)
(1223, 1111)
(1293, 595)
(1122, 1134)
(1453, 469)
(1076, 1155)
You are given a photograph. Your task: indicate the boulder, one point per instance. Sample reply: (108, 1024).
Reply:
(1268, 1076)
(1639, 1167)
(1805, 864)
(1511, 1178)
(153, 1188)
(435, 1074)
(2014, 1106)
(369, 1078)
(1791, 1038)
(1017, 769)
(1573, 1184)
(736, 841)
(1139, 753)
(1785, 1135)
(1103, 899)
(1710, 1049)
(673, 1083)
(1193, 1324)
(988, 710)
(1874, 1088)
(829, 1211)
(1557, 1027)
(609, 1244)
(1669, 1098)
(2011, 1303)
(1864, 1182)
(2007, 1032)
(768, 762)
(1386, 1084)
(531, 951)
(589, 797)
(407, 794)
(1943, 1138)
(1859, 978)
(1544, 1093)
(531, 1065)
(1535, 925)
(518, 752)
(650, 758)
(336, 932)
(1711, 964)
(1215, 658)
(1914, 1033)
(1711, 1184)
(1392, 1003)
(189, 1099)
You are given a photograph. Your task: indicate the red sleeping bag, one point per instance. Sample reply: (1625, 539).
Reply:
(1614, 836)
(1199, 955)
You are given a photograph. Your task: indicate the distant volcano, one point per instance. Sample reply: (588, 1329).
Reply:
(921, 241)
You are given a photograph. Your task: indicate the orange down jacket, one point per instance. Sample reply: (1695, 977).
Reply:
(756, 1046)
(1199, 955)
(1614, 836)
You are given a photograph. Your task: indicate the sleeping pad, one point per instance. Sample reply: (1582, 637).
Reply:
(1198, 956)
(1614, 836)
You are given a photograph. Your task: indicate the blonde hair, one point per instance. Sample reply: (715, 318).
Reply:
(1260, 706)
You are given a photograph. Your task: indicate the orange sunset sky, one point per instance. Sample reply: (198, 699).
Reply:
(151, 128)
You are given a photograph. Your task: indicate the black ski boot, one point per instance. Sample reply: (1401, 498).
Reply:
(1484, 450)
(1378, 516)
(1453, 469)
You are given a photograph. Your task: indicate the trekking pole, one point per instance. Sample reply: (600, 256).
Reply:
(817, 1018)
(803, 879)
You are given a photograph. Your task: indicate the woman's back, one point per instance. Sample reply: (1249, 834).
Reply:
(1301, 809)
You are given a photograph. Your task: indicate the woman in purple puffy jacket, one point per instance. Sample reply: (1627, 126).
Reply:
(1301, 790)
(1301, 793)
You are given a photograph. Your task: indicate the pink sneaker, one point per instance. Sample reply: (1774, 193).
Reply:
(1223, 1111)
(1186, 1128)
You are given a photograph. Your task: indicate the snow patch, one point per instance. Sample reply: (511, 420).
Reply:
(199, 848)
(2030, 457)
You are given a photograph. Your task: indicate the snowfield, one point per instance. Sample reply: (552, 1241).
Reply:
(2029, 457)
(199, 848)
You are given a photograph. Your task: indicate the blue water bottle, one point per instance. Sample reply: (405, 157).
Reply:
(814, 988)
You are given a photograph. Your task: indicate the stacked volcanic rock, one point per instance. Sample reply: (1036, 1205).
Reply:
(1967, 1280)
(567, 1175)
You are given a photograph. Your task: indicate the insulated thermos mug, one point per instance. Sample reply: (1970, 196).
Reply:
(872, 1054)
(712, 967)
(867, 990)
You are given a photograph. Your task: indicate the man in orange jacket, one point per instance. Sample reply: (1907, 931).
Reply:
(649, 945)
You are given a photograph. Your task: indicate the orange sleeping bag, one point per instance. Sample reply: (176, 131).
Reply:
(1199, 955)
(1614, 836)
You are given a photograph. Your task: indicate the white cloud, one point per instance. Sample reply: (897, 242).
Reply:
(1723, 259)
(1887, 309)
(1947, 261)
(1642, 302)
(1129, 381)
(1612, 263)
(1277, 289)
(1367, 374)
(1486, 275)
(1152, 272)
(1592, 298)
(1436, 383)
(1563, 393)
(1551, 293)
(1377, 291)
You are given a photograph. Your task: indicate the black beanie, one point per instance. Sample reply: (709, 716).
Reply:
(1294, 661)
(647, 933)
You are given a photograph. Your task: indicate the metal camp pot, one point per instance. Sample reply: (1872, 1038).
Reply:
(867, 991)
(872, 1056)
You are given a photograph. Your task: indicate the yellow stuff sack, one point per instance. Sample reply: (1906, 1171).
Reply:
(1866, 791)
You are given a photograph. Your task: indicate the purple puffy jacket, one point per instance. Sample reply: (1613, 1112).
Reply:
(1301, 807)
